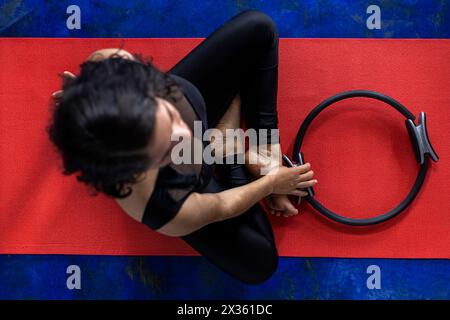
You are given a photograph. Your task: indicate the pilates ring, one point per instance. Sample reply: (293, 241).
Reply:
(420, 142)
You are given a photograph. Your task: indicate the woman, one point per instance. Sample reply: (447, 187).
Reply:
(114, 124)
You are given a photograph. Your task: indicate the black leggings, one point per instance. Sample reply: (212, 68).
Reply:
(240, 56)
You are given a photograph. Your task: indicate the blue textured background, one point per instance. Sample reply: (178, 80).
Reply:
(193, 18)
(107, 277)
(127, 277)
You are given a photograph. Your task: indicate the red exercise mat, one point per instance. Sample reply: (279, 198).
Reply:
(359, 149)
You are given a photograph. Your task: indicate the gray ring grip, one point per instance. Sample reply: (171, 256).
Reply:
(419, 138)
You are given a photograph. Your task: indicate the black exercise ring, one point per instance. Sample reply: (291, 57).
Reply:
(420, 141)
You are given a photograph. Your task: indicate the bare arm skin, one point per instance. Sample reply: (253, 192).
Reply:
(201, 209)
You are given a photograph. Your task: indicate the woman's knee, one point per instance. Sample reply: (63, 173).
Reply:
(261, 23)
(260, 269)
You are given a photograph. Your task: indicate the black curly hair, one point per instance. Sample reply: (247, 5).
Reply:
(105, 118)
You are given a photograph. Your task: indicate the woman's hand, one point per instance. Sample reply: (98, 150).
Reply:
(287, 180)
(280, 204)
(57, 94)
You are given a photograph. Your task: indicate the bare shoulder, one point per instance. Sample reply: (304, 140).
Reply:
(134, 204)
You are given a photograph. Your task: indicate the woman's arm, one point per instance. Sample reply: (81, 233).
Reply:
(201, 209)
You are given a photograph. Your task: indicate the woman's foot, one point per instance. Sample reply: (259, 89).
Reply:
(279, 204)
(230, 120)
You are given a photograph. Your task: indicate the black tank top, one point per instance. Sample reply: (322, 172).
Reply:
(174, 183)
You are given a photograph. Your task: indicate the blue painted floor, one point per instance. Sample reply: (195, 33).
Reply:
(192, 18)
(127, 277)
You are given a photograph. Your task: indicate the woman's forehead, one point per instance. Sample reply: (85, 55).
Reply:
(107, 52)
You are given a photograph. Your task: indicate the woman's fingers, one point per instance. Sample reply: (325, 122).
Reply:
(57, 94)
(306, 176)
(306, 184)
(302, 169)
(299, 193)
(69, 74)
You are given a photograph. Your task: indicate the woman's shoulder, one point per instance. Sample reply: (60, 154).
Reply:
(193, 96)
(134, 205)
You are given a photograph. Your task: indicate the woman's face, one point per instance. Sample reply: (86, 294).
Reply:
(168, 123)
